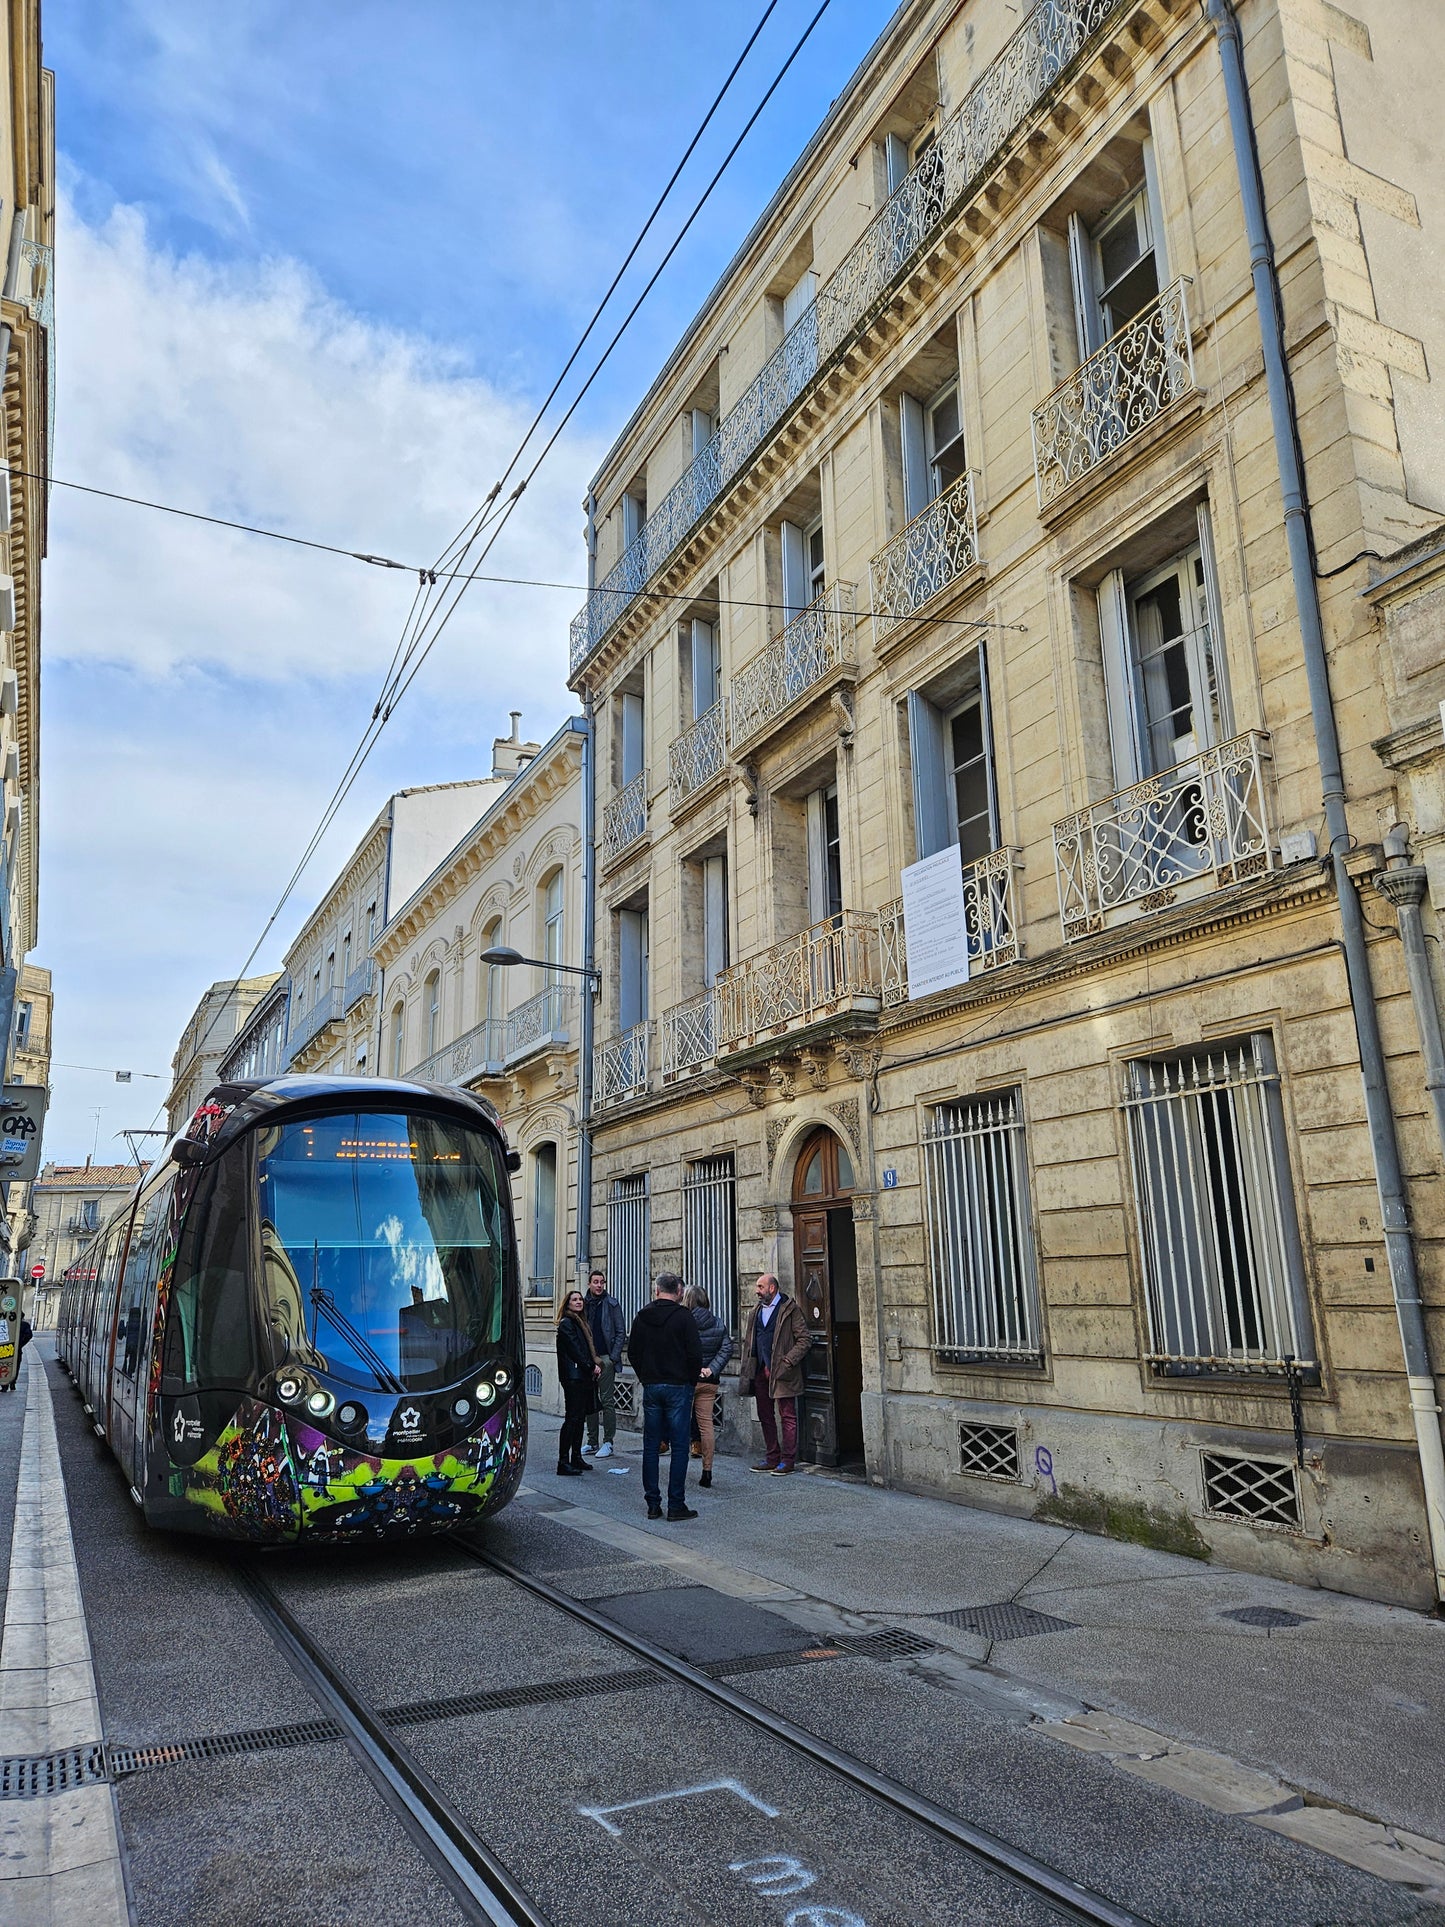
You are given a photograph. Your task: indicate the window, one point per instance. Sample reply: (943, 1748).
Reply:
(553, 942)
(398, 1040)
(346, 957)
(799, 299)
(542, 1281)
(706, 667)
(702, 427)
(493, 989)
(981, 1248)
(631, 755)
(632, 967)
(714, 918)
(634, 512)
(629, 1244)
(825, 855)
(316, 986)
(432, 1011)
(23, 1014)
(709, 1233)
(1164, 672)
(1117, 263)
(804, 577)
(934, 456)
(89, 1214)
(950, 739)
(330, 968)
(371, 923)
(1222, 1260)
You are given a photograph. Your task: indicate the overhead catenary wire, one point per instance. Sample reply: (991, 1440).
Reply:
(412, 651)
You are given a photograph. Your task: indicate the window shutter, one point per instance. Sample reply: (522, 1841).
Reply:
(714, 917)
(704, 667)
(1156, 214)
(986, 705)
(933, 825)
(631, 520)
(631, 738)
(1216, 621)
(1119, 680)
(917, 488)
(897, 149)
(799, 299)
(817, 856)
(1087, 321)
(701, 431)
(795, 571)
(632, 972)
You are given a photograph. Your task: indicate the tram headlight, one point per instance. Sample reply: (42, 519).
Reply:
(319, 1404)
(486, 1392)
(288, 1390)
(503, 1378)
(350, 1415)
(461, 1409)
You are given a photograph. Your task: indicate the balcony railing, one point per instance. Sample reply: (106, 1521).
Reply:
(950, 173)
(359, 983)
(990, 917)
(698, 755)
(477, 1051)
(817, 641)
(938, 546)
(309, 1024)
(689, 1036)
(1203, 819)
(39, 264)
(625, 818)
(620, 1067)
(1131, 381)
(543, 1019)
(824, 970)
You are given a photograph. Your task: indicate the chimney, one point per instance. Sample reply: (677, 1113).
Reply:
(510, 753)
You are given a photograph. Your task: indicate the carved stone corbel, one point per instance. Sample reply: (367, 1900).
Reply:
(752, 786)
(755, 1085)
(842, 710)
(859, 1060)
(816, 1063)
(780, 1075)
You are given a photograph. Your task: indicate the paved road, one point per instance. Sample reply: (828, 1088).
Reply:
(296, 1833)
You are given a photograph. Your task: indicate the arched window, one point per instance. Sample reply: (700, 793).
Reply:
(553, 936)
(398, 1040)
(492, 993)
(542, 1280)
(431, 1005)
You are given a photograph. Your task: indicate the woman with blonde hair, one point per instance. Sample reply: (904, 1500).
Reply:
(579, 1369)
(717, 1349)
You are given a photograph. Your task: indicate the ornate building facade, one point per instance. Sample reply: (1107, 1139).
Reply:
(1005, 534)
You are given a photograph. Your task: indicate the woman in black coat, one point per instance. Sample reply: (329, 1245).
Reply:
(579, 1369)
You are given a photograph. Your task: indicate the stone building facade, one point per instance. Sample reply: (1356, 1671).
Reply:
(511, 1033)
(30, 1065)
(69, 1202)
(206, 1040)
(954, 551)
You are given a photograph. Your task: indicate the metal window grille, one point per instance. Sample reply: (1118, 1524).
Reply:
(628, 1243)
(709, 1233)
(1222, 1260)
(534, 1381)
(989, 1451)
(981, 1248)
(1263, 1491)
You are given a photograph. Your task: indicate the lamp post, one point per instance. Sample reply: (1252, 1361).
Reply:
(503, 954)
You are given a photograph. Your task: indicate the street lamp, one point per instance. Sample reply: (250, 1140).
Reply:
(503, 954)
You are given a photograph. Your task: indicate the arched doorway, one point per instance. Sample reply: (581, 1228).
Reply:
(830, 1423)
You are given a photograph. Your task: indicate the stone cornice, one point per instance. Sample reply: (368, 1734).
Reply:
(369, 851)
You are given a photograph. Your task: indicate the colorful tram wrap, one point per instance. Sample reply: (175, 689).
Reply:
(306, 1323)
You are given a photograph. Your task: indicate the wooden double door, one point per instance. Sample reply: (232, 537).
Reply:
(825, 1266)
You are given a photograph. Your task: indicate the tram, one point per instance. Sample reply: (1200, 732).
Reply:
(306, 1323)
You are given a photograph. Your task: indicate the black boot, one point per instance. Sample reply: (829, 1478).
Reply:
(706, 1479)
(565, 1471)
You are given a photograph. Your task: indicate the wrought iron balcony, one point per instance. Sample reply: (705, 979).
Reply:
(816, 642)
(689, 1036)
(951, 173)
(1137, 376)
(991, 921)
(625, 818)
(824, 971)
(543, 1020)
(38, 265)
(1204, 819)
(619, 1068)
(477, 1052)
(697, 756)
(938, 546)
(359, 983)
(308, 1024)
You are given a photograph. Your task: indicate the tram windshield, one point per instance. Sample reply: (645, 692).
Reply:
(385, 1246)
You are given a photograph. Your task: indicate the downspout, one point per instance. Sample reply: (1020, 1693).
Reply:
(1399, 1243)
(589, 945)
(1403, 884)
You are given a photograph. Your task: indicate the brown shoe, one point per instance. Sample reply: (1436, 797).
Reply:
(785, 1466)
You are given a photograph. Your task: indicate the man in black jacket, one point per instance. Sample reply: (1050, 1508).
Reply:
(666, 1354)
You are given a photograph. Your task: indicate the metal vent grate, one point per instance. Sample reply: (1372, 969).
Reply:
(891, 1643)
(625, 1392)
(1004, 1621)
(125, 1760)
(989, 1451)
(31, 1776)
(534, 1381)
(1263, 1491)
(1273, 1619)
(422, 1711)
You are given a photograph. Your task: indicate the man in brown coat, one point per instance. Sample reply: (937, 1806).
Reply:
(775, 1344)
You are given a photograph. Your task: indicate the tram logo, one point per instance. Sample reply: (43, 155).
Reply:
(408, 1419)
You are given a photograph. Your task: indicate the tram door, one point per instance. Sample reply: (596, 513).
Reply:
(130, 1360)
(830, 1420)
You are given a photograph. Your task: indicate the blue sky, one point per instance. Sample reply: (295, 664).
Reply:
(316, 264)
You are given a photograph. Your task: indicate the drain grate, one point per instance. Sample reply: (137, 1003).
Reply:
(421, 1711)
(1273, 1618)
(125, 1760)
(1004, 1621)
(30, 1776)
(891, 1643)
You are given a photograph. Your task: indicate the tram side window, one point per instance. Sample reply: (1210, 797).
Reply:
(210, 1336)
(140, 1268)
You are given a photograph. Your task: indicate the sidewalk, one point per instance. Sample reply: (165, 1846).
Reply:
(1341, 1699)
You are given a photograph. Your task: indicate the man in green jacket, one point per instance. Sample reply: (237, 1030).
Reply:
(775, 1344)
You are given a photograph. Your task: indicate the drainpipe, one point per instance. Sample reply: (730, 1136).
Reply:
(589, 944)
(1385, 1150)
(1403, 883)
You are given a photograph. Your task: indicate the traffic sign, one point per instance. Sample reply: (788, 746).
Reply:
(37, 1271)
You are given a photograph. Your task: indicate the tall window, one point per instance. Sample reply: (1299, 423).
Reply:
(629, 1243)
(709, 1233)
(706, 667)
(542, 1280)
(714, 918)
(432, 1011)
(346, 957)
(804, 573)
(371, 923)
(1118, 264)
(1222, 1259)
(632, 967)
(553, 943)
(23, 1014)
(398, 1040)
(493, 993)
(825, 855)
(934, 456)
(631, 751)
(981, 1247)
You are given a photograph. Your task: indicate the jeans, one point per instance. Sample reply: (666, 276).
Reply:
(607, 1403)
(666, 1410)
(787, 1417)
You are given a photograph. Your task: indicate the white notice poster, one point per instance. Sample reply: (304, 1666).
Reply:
(935, 923)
